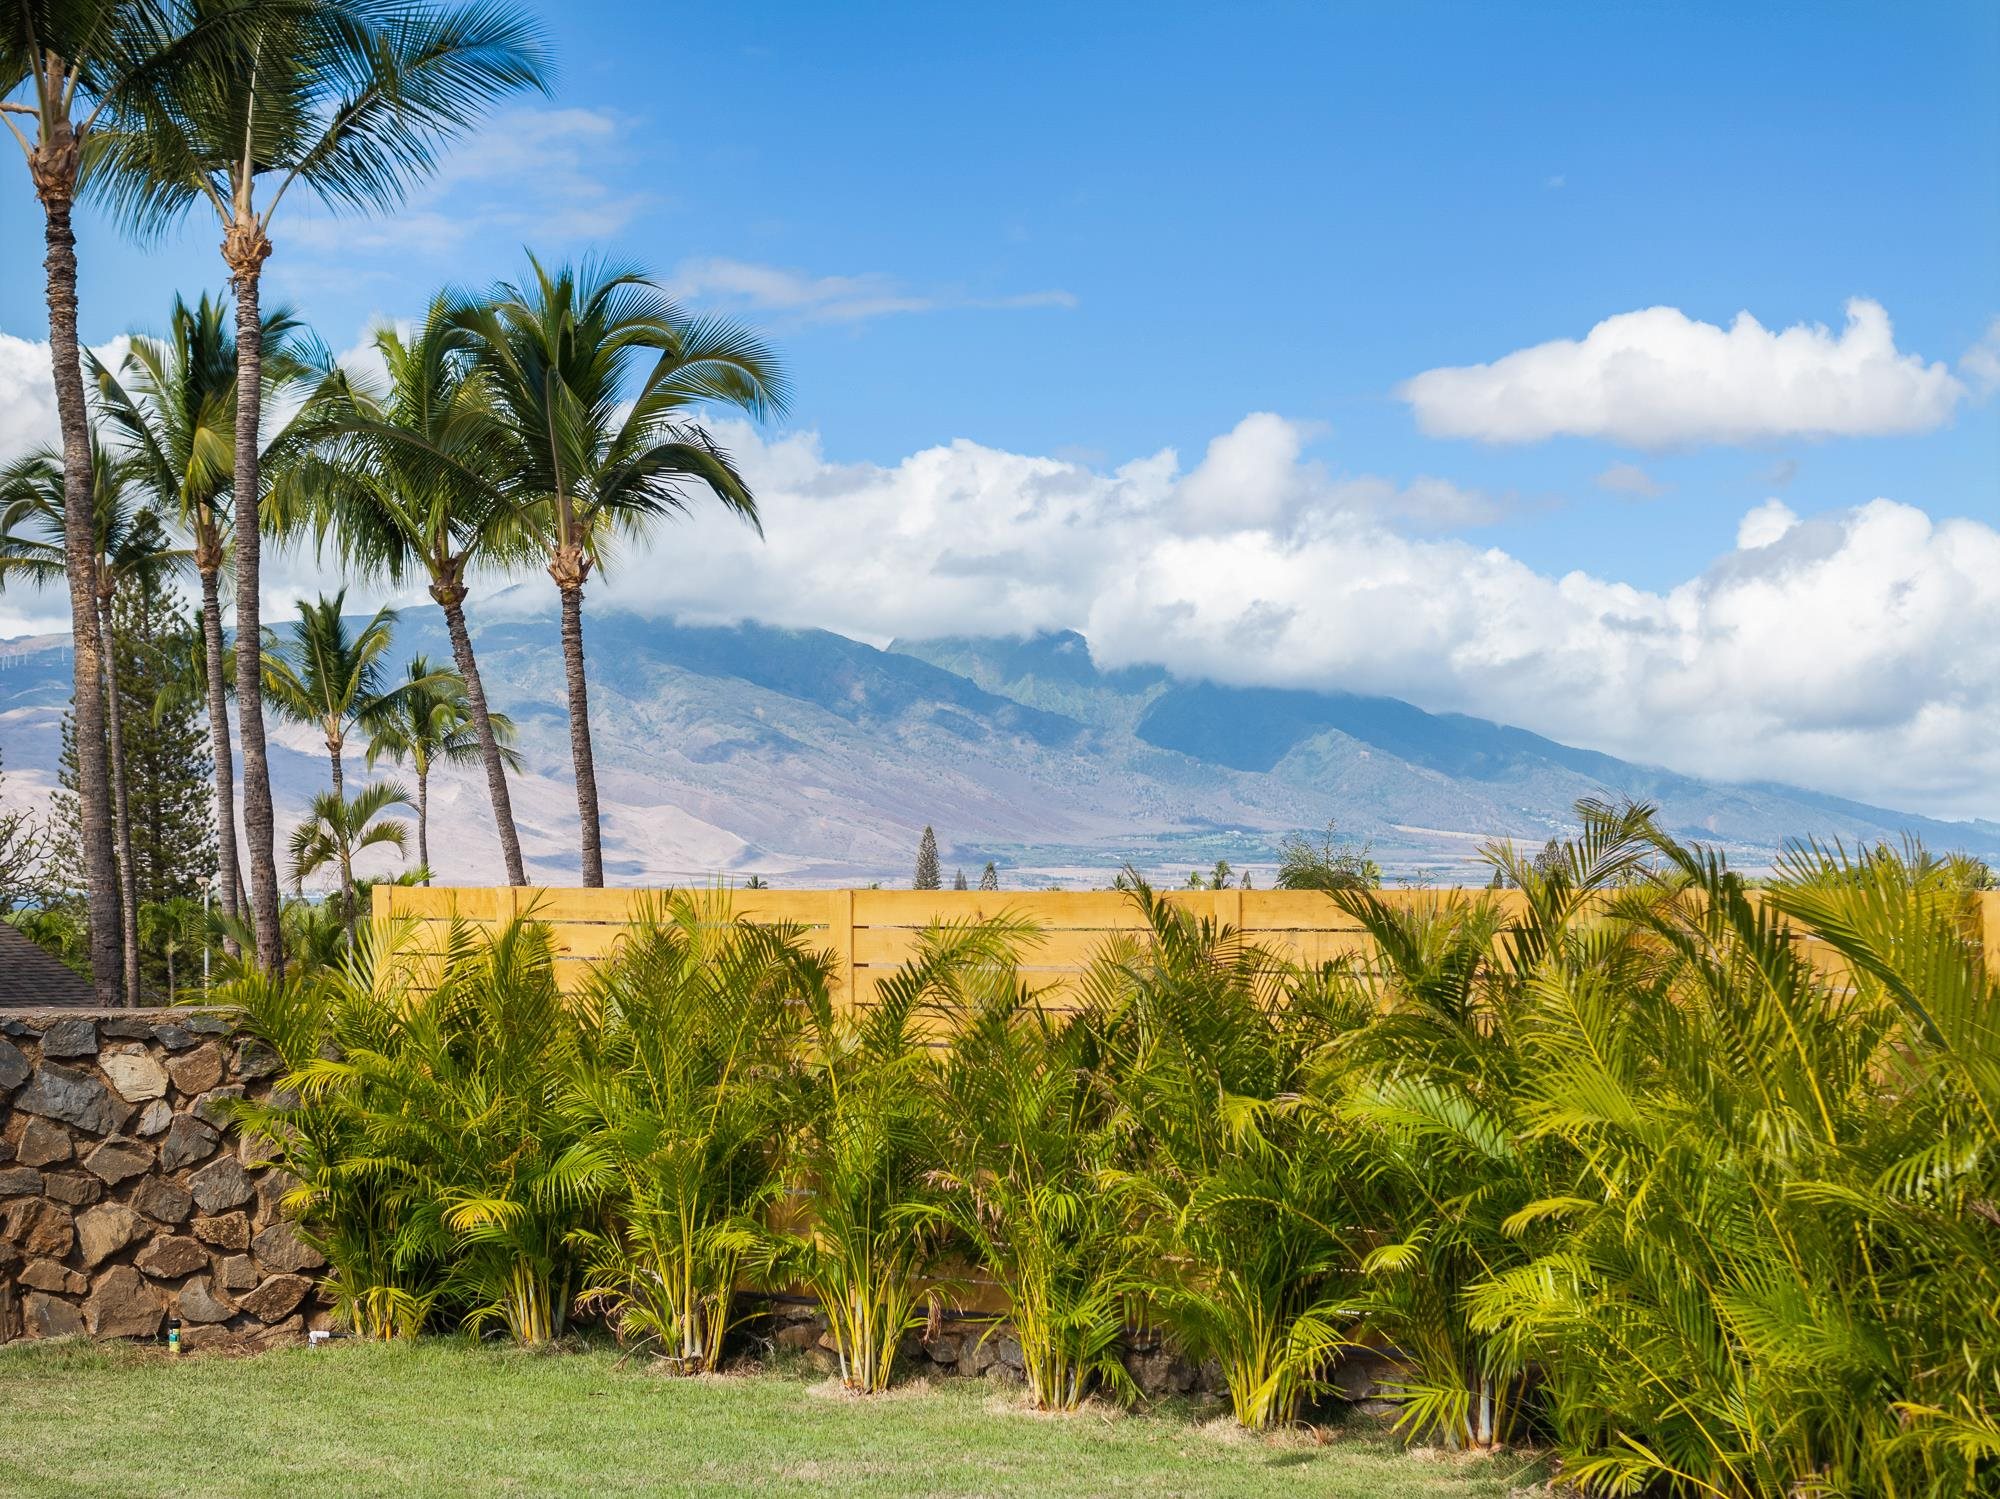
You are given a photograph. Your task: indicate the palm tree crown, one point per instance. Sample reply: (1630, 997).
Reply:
(429, 724)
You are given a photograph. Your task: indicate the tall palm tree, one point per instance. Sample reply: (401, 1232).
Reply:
(172, 402)
(350, 101)
(330, 678)
(599, 458)
(74, 59)
(429, 723)
(338, 829)
(129, 545)
(408, 482)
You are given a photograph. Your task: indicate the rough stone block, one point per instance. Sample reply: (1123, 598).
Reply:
(253, 1059)
(155, 1117)
(272, 1185)
(237, 1273)
(286, 1334)
(171, 1256)
(221, 1185)
(73, 1187)
(36, 1226)
(47, 1275)
(125, 1027)
(275, 1298)
(280, 1248)
(73, 1097)
(119, 1160)
(20, 1181)
(14, 1067)
(75, 1037)
(197, 1071)
(135, 1075)
(174, 1036)
(188, 1140)
(197, 1303)
(230, 1231)
(43, 1144)
(163, 1200)
(212, 1107)
(122, 1305)
(106, 1229)
(45, 1317)
(208, 1025)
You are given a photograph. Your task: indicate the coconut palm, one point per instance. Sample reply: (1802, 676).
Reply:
(337, 829)
(428, 722)
(172, 402)
(330, 679)
(76, 59)
(407, 482)
(129, 546)
(348, 101)
(598, 375)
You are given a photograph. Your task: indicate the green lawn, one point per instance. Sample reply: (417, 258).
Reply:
(442, 1418)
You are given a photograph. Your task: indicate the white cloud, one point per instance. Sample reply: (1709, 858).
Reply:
(830, 299)
(1981, 362)
(1857, 651)
(1630, 480)
(1659, 378)
(529, 175)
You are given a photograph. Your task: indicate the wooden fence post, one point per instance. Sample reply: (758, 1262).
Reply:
(840, 940)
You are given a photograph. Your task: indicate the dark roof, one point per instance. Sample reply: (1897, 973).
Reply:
(30, 978)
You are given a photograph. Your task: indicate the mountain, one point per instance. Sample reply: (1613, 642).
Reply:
(807, 757)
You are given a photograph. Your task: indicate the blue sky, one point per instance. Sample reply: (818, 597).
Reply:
(1090, 233)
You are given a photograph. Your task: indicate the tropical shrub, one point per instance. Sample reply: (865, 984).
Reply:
(687, 1073)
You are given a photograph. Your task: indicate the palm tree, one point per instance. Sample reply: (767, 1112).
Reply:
(349, 100)
(337, 829)
(76, 58)
(408, 482)
(128, 545)
(429, 723)
(330, 679)
(559, 353)
(173, 404)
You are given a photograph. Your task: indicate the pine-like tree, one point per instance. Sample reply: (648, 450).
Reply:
(928, 873)
(169, 773)
(958, 881)
(989, 878)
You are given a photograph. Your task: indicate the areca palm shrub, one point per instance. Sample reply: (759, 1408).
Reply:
(439, 1174)
(863, 1153)
(1459, 1184)
(692, 1034)
(1027, 1146)
(429, 722)
(1774, 1267)
(1244, 1198)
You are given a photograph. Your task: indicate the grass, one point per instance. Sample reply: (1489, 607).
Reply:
(443, 1418)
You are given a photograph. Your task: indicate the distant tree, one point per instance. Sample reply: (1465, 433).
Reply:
(927, 862)
(1195, 881)
(958, 881)
(430, 724)
(756, 882)
(339, 828)
(1244, 883)
(1330, 861)
(989, 877)
(26, 876)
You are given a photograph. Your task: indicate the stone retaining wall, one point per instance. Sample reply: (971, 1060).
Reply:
(126, 1196)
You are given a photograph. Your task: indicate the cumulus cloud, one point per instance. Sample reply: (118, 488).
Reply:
(807, 298)
(1981, 362)
(1856, 651)
(1658, 378)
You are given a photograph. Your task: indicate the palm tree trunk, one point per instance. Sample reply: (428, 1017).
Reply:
(121, 807)
(245, 248)
(451, 598)
(346, 864)
(55, 181)
(424, 820)
(579, 736)
(219, 747)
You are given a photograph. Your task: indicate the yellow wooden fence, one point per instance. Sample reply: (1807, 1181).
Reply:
(871, 932)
